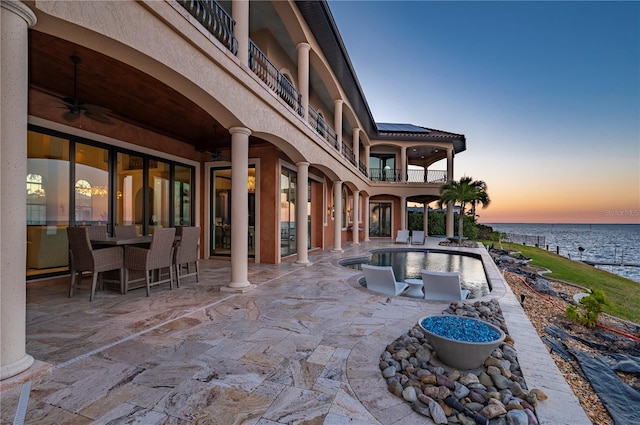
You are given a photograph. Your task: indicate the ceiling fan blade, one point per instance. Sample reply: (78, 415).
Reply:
(97, 113)
(99, 118)
(70, 116)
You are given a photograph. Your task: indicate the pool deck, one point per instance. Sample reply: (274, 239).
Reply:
(301, 348)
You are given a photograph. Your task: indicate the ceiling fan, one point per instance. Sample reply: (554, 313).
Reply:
(76, 108)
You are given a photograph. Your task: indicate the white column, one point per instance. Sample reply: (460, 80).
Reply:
(425, 218)
(337, 221)
(365, 218)
(337, 121)
(303, 75)
(403, 213)
(403, 164)
(240, 12)
(449, 218)
(302, 195)
(14, 52)
(239, 210)
(367, 150)
(356, 146)
(356, 216)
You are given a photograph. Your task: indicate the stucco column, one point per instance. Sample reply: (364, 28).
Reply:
(240, 14)
(425, 218)
(302, 194)
(403, 213)
(367, 152)
(449, 218)
(337, 220)
(337, 121)
(365, 218)
(356, 146)
(239, 210)
(356, 216)
(403, 164)
(303, 75)
(16, 19)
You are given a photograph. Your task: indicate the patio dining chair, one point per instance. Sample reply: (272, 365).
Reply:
(382, 279)
(128, 231)
(442, 286)
(85, 259)
(96, 231)
(187, 253)
(151, 261)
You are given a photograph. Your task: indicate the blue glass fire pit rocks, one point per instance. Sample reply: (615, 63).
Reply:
(461, 342)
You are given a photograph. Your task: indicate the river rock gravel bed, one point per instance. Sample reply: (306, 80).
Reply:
(493, 394)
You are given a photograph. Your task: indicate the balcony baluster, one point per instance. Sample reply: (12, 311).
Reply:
(348, 153)
(214, 18)
(269, 74)
(323, 129)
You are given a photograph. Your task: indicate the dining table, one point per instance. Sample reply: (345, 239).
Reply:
(119, 241)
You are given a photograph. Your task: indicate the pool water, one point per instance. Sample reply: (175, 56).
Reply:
(407, 265)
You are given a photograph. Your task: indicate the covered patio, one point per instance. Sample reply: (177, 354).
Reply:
(303, 346)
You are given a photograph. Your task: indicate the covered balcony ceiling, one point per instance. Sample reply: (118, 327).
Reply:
(130, 95)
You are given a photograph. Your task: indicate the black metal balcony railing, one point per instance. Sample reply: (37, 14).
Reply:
(267, 72)
(362, 168)
(348, 153)
(413, 176)
(214, 19)
(323, 129)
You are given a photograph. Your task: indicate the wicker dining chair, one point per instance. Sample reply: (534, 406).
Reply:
(95, 261)
(96, 231)
(187, 253)
(158, 257)
(125, 231)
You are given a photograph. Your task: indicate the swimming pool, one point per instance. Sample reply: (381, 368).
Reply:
(408, 263)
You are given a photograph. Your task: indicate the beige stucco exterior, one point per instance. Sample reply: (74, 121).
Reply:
(173, 50)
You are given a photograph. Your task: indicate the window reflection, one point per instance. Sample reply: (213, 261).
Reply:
(92, 185)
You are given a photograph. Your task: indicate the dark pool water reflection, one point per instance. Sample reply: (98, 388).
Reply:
(407, 265)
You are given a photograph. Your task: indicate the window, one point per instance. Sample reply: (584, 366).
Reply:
(36, 200)
(83, 202)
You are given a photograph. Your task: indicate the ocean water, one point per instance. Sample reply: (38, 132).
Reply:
(616, 243)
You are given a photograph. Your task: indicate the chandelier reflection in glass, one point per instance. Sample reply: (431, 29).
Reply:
(84, 188)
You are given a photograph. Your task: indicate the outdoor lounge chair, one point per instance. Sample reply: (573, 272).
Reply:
(382, 279)
(417, 237)
(403, 236)
(443, 286)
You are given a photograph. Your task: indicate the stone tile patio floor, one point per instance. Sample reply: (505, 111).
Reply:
(301, 348)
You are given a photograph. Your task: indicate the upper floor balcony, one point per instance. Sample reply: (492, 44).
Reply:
(221, 25)
(391, 175)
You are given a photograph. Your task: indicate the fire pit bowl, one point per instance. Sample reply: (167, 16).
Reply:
(461, 342)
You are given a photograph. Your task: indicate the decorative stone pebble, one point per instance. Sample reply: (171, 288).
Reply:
(492, 411)
(517, 417)
(389, 372)
(409, 394)
(496, 389)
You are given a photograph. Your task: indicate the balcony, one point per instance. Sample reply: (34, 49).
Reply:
(323, 129)
(391, 175)
(214, 19)
(272, 77)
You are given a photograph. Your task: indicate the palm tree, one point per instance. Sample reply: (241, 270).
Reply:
(466, 191)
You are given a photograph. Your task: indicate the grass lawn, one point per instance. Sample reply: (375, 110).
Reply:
(624, 294)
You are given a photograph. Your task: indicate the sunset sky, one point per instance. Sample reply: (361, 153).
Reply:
(547, 94)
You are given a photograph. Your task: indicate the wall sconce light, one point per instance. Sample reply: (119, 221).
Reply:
(330, 211)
